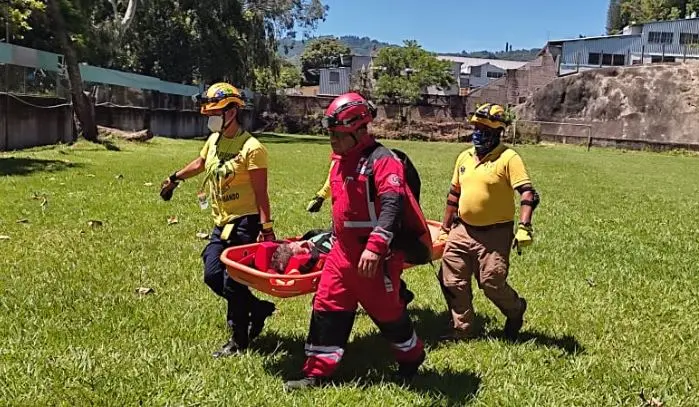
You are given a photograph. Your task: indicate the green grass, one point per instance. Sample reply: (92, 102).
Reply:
(612, 284)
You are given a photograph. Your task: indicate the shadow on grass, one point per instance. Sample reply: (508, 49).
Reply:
(110, 145)
(26, 166)
(430, 325)
(368, 361)
(270, 138)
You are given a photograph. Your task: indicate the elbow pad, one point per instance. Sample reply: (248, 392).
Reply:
(534, 202)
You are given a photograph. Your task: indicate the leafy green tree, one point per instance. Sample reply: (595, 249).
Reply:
(16, 13)
(321, 53)
(404, 73)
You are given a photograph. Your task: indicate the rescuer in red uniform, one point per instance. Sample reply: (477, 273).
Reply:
(373, 210)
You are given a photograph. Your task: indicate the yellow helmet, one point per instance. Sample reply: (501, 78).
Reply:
(490, 115)
(218, 97)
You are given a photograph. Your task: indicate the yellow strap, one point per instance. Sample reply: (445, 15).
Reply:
(226, 232)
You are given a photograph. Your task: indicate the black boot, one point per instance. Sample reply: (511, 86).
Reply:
(513, 325)
(407, 370)
(305, 383)
(260, 312)
(237, 344)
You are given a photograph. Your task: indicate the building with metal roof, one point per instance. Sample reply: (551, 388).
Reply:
(657, 41)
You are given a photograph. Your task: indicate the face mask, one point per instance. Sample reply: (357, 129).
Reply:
(215, 123)
(485, 141)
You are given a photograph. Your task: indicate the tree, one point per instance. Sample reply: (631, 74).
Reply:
(404, 73)
(268, 82)
(83, 106)
(321, 53)
(614, 20)
(17, 13)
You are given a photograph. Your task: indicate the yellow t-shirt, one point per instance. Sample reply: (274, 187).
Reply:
(487, 187)
(233, 196)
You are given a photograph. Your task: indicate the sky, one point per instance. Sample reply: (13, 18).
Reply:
(456, 25)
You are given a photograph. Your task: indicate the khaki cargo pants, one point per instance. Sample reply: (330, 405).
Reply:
(485, 253)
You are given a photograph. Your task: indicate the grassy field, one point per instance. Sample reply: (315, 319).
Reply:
(612, 284)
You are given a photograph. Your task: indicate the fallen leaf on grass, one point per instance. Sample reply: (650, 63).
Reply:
(91, 175)
(3, 237)
(94, 223)
(653, 402)
(172, 220)
(119, 176)
(23, 220)
(148, 184)
(202, 235)
(144, 290)
(44, 203)
(590, 282)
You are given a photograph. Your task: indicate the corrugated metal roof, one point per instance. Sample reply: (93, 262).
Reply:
(598, 37)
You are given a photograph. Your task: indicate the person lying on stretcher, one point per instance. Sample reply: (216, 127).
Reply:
(305, 254)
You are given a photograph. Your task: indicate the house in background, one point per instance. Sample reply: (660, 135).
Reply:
(659, 41)
(336, 81)
(478, 72)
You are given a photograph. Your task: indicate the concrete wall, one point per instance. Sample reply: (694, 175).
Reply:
(437, 108)
(161, 122)
(633, 131)
(27, 121)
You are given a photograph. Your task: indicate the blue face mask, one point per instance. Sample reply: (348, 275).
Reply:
(485, 141)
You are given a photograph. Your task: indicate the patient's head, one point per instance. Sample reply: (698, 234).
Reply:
(283, 253)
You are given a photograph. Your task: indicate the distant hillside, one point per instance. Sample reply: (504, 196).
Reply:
(513, 55)
(292, 50)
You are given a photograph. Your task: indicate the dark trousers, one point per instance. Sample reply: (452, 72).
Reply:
(240, 300)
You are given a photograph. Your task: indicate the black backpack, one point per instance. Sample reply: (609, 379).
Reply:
(412, 177)
(405, 240)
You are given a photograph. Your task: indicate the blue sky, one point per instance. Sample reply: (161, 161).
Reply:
(455, 25)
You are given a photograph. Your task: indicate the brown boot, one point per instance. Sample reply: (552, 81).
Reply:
(513, 325)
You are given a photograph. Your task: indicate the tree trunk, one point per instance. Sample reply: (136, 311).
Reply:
(81, 103)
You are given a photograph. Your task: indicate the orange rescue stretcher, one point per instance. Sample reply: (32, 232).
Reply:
(244, 264)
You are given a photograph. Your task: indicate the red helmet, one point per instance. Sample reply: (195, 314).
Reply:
(348, 112)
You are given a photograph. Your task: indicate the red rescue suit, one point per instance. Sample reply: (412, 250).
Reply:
(368, 204)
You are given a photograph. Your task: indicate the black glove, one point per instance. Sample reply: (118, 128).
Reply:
(315, 204)
(167, 189)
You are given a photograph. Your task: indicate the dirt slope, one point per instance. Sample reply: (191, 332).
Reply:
(657, 102)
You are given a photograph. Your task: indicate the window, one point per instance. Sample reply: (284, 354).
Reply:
(658, 59)
(689, 38)
(597, 58)
(334, 77)
(476, 71)
(494, 75)
(656, 37)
